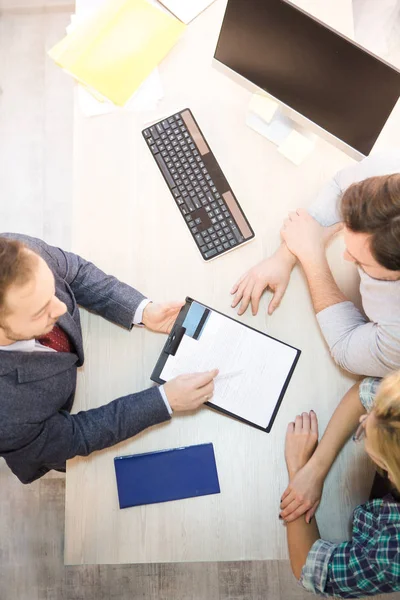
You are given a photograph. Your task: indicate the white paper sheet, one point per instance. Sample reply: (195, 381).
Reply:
(186, 10)
(230, 347)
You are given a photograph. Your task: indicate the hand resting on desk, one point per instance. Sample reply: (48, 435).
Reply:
(273, 273)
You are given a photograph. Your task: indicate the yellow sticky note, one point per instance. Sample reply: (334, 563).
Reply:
(263, 106)
(114, 51)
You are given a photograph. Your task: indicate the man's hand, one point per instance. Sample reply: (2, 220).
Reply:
(303, 494)
(273, 273)
(301, 441)
(188, 392)
(305, 237)
(161, 317)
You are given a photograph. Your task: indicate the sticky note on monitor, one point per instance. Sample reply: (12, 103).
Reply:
(296, 146)
(263, 107)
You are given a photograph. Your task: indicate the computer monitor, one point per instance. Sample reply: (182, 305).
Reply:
(310, 68)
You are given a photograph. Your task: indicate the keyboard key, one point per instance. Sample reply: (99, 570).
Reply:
(199, 239)
(237, 234)
(207, 239)
(190, 204)
(154, 149)
(210, 253)
(196, 202)
(154, 132)
(220, 249)
(164, 170)
(227, 245)
(232, 242)
(146, 133)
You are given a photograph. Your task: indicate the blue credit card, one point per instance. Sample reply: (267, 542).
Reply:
(196, 320)
(166, 475)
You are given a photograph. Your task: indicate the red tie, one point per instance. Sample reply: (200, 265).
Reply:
(56, 339)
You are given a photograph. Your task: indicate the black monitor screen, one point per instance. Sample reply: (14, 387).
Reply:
(323, 76)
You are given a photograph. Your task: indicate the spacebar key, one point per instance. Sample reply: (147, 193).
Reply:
(210, 253)
(164, 170)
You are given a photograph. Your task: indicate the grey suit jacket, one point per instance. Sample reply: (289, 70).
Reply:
(37, 431)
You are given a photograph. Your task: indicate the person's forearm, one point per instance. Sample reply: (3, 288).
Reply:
(323, 288)
(341, 426)
(300, 538)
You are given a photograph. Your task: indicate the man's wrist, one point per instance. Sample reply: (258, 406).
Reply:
(139, 313)
(145, 310)
(284, 253)
(314, 262)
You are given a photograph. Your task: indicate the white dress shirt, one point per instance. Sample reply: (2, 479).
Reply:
(34, 345)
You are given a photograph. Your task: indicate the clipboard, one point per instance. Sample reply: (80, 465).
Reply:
(273, 362)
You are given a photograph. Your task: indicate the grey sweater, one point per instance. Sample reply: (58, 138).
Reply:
(365, 346)
(37, 431)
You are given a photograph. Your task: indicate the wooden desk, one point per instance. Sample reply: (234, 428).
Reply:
(125, 221)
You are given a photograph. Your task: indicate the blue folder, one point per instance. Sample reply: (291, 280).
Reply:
(166, 475)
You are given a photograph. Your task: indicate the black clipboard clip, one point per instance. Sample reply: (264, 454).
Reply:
(175, 338)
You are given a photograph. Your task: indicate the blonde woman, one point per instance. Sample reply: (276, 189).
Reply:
(369, 563)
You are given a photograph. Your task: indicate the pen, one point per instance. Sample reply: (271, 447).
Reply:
(229, 375)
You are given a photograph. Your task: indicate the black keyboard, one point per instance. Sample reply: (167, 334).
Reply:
(198, 185)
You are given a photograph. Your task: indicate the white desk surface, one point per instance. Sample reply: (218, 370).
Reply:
(126, 222)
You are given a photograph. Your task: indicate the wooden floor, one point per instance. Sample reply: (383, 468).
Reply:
(35, 194)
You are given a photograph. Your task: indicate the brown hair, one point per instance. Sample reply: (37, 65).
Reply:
(373, 206)
(385, 437)
(16, 266)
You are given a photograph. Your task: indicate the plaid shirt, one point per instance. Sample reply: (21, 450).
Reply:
(368, 564)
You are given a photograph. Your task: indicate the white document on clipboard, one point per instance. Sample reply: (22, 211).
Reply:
(261, 365)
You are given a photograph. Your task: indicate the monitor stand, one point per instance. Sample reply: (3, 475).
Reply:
(266, 117)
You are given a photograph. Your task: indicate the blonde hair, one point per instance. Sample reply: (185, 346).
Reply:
(385, 436)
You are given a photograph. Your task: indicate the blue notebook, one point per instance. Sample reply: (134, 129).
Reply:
(166, 475)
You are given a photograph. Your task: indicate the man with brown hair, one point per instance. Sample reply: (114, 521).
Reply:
(365, 198)
(41, 348)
